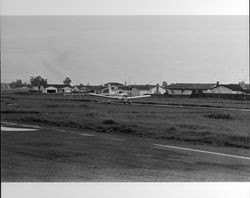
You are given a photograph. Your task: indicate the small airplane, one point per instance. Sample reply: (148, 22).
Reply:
(113, 92)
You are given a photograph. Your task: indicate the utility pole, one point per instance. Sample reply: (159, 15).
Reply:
(128, 79)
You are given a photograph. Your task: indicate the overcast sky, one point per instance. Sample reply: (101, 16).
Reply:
(139, 49)
(121, 7)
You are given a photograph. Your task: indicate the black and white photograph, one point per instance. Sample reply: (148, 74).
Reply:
(102, 97)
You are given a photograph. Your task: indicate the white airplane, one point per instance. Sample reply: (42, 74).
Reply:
(115, 93)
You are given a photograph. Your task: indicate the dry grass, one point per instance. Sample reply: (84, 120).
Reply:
(189, 125)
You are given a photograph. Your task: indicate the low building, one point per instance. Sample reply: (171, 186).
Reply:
(188, 88)
(125, 89)
(158, 90)
(57, 88)
(93, 88)
(67, 89)
(227, 89)
(37, 88)
(137, 90)
(51, 89)
(5, 86)
(79, 88)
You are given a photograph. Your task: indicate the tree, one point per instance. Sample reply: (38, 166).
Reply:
(38, 81)
(164, 84)
(67, 81)
(16, 84)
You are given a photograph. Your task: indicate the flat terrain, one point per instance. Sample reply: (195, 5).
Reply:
(82, 139)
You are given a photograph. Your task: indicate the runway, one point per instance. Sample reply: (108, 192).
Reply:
(53, 154)
(202, 151)
(16, 129)
(160, 145)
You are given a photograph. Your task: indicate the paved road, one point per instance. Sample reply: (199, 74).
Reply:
(53, 154)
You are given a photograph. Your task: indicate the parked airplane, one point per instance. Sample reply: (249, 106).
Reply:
(114, 93)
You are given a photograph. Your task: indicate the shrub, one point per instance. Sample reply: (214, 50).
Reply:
(109, 121)
(225, 116)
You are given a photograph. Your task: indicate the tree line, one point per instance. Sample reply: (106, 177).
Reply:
(36, 81)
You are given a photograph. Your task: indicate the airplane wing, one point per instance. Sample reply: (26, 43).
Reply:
(106, 96)
(134, 97)
(120, 97)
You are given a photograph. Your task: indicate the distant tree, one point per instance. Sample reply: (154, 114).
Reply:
(164, 84)
(19, 83)
(13, 84)
(25, 84)
(16, 84)
(38, 81)
(67, 81)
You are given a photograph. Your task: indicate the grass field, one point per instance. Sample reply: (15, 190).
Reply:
(217, 127)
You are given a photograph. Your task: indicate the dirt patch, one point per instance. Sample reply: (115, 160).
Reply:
(60, 105)
(8, 97)
(118, 128)
(220, 165)
(171, 129)
(70, 124)
(42, 144)
(127, 130)
(191, 126)
(49, 154)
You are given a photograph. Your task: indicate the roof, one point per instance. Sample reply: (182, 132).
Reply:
(233, 87)
(58, 86)
(124, 87)
(113, 84)
(79, 86)
(190, 86)
(143, 87)
(93, 87)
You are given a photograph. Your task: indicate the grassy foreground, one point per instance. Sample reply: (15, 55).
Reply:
(199, 126)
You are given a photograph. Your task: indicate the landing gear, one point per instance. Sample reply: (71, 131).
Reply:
(127, 101)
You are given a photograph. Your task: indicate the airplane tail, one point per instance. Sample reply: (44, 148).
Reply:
(110, 90)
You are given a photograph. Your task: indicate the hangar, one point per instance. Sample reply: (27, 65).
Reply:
(57, 88)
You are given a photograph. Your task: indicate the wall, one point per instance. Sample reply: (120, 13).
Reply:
(67, 89)
(50, 88)
(154, 90)
(223, 90)
(180, 92)
(137, 92)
